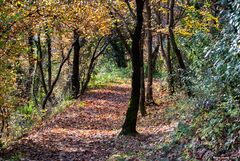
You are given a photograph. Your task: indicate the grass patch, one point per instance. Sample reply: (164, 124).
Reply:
(121, 157)
(106, 76)
(62, 107)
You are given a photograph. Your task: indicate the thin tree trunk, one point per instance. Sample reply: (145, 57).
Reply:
(92, 63)
(129, 126)
(142, 88)
(172, 37)
(183, 72)
(155, 56)
(170, 68)
(49, 52)
(150, 56)
(3, 114)
(167, 58)
(39, 62)
(34, 85)
(31, 63)
(75, 67)
(57, 77)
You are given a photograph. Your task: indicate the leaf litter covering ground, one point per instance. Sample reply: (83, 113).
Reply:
(89, 129)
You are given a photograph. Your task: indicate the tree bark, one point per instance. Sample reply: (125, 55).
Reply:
(57, 77)
(92, 63)
(35, 86)
(40, 65)
(31, 63)
(183, 71)
(172, 37)
(150, 56)
(75, 67)
(49, 52)
(155, 56)
(142, 86)
(129, 126)
(166, 53)
(167, 58)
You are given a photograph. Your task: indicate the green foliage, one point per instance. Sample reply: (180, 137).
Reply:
(1, 144)
(28, 110)
(23, 119)
(219, 128)
(16, 157)
(66, 103)
(210, 120)
(109, 73)
(183, 110)
(183, 130)
(119, 157)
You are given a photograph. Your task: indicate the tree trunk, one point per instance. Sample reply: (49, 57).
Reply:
(172, 37)
(150, 56)
(183, 72)
(129, 126)
(167, 58)
(75, 67)
(40, 65)
(31, 64)
(170, 68)
(166, 55)
(92, 63)
(155, 56)
(47, 97)
(142, 86)
(35, 86)
(49, 52)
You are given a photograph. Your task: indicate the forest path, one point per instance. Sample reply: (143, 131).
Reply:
(88, 130)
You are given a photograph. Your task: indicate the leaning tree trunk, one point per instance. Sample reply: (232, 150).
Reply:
(183, 72)
(40, 64)
(172, 37)
(129, 126)
(150, 56)
(49, 52)
(92, 63)
(64, 59)
(75, 67)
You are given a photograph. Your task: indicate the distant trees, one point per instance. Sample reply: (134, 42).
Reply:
(43, 42)
(37, 40)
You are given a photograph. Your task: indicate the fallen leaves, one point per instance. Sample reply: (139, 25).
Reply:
(91, 132)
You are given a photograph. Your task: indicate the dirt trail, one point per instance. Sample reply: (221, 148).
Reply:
(88, 131)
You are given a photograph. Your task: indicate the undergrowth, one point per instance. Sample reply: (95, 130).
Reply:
(204, 131)
(27, 117)
(109, 73)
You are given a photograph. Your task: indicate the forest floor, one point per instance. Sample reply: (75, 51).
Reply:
(88, 130)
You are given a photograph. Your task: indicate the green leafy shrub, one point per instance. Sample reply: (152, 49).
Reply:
(213, 115)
